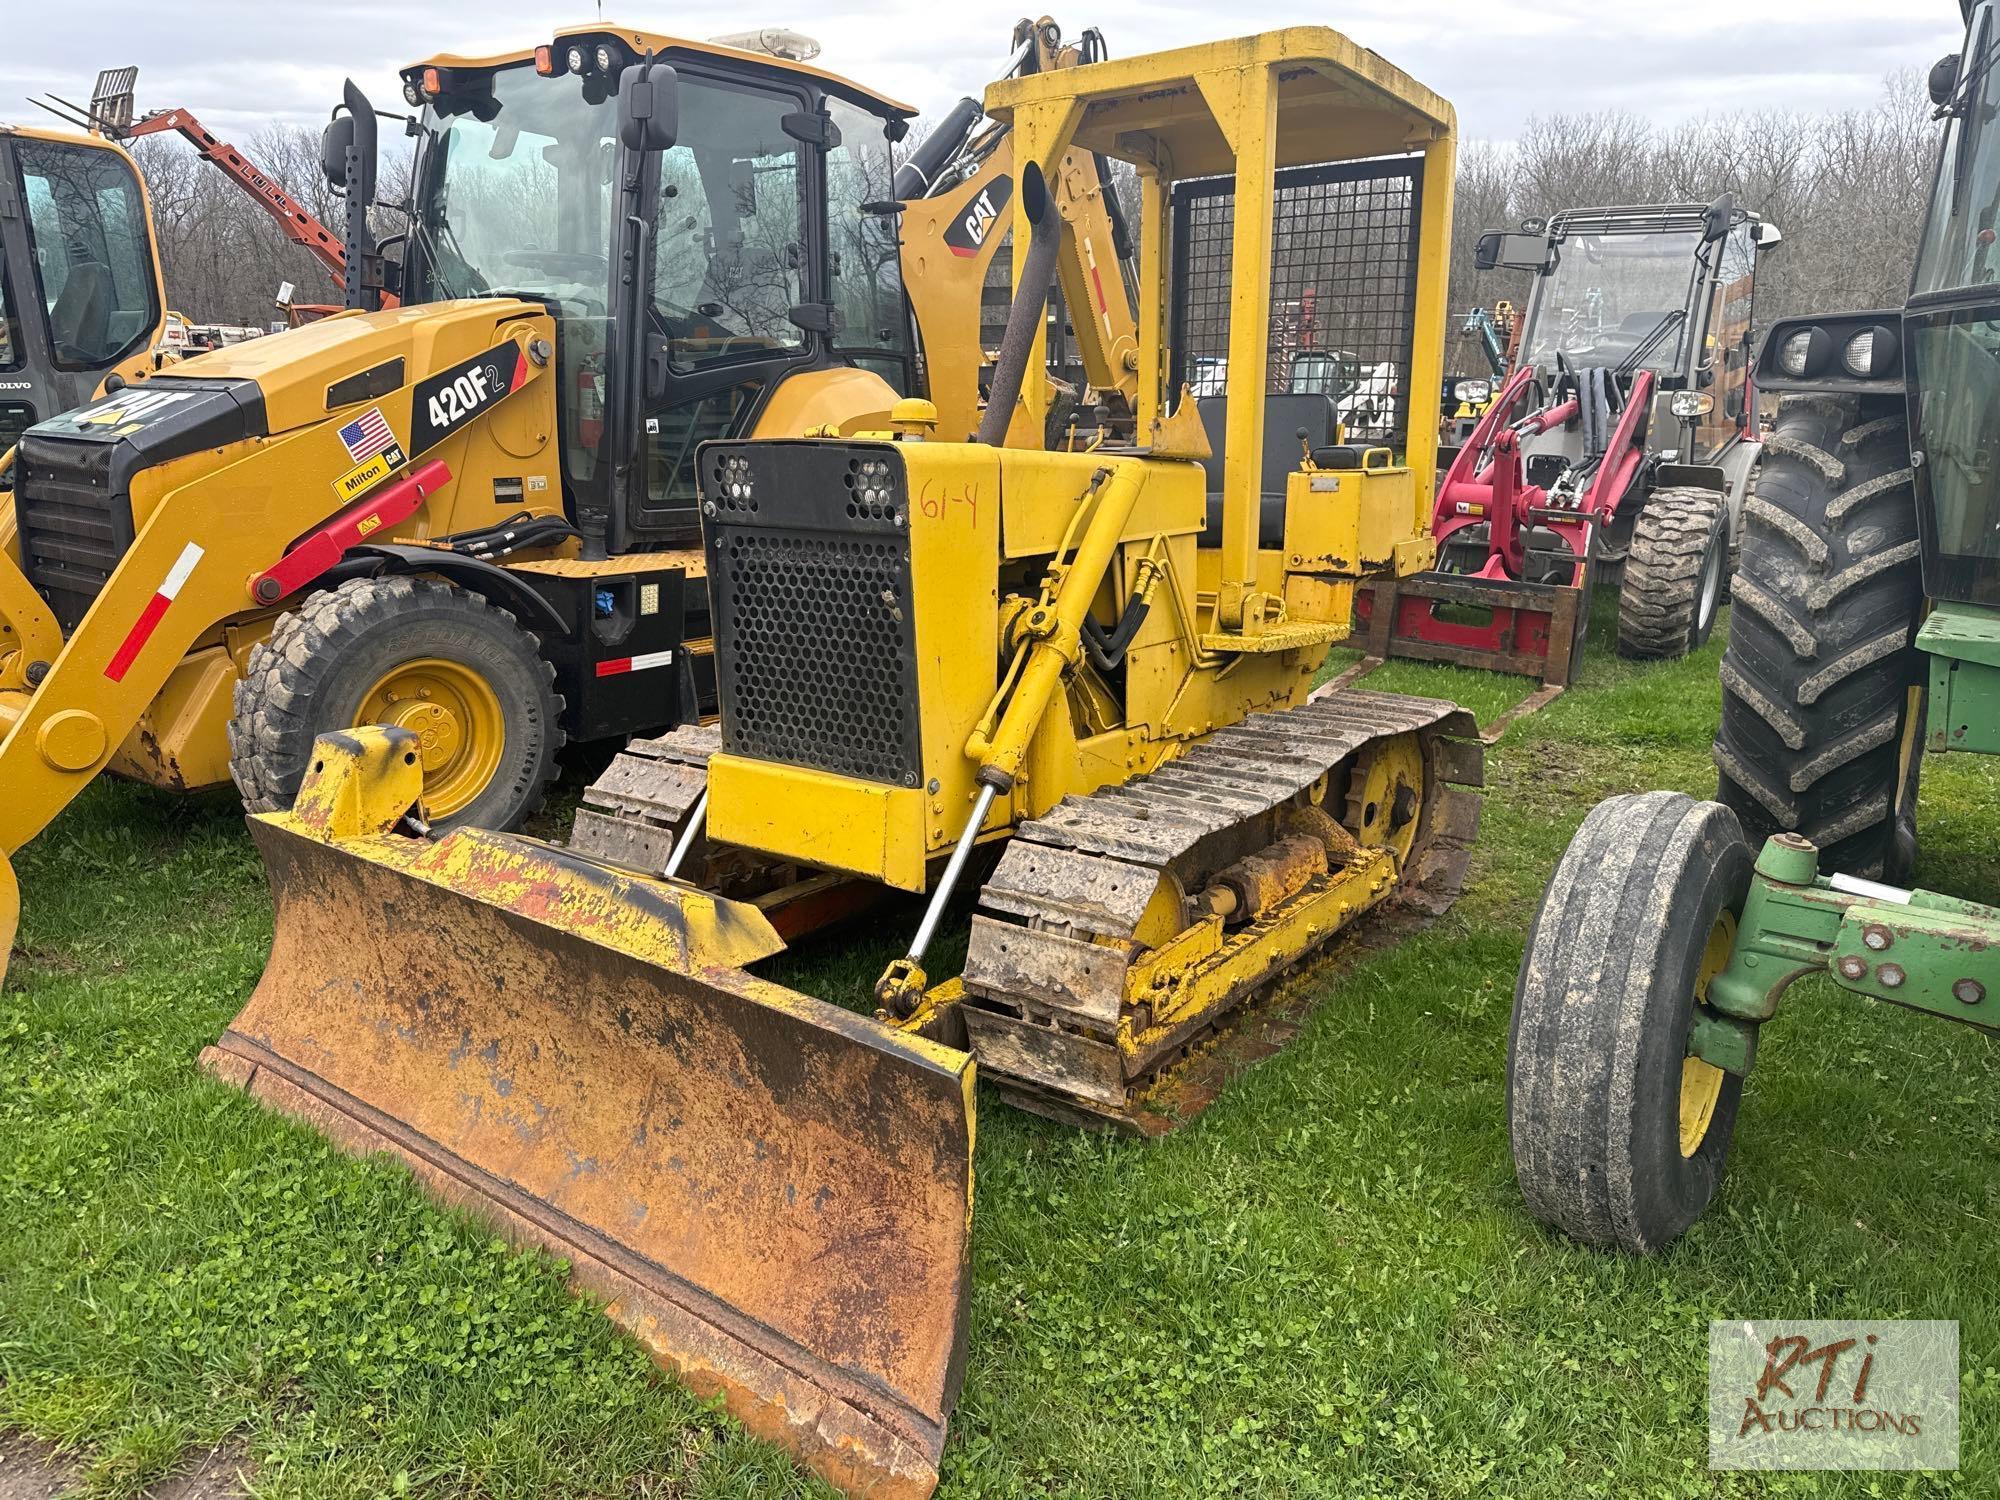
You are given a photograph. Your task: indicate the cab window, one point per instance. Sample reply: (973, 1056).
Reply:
(729, 247)
(87, 222)
(866, 260)
(10, 331)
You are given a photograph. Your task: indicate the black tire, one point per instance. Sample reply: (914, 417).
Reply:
(316, 670)
(1822, 686)
(1601, 1016)
(1674, 574)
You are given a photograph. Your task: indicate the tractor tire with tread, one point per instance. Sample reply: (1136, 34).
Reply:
(1671, 585)
(1606, 1146)
(315, 672)
(1821, 681)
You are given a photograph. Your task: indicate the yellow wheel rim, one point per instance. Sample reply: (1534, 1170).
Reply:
(1701, 1082)
(1385, 797)
(456, 717)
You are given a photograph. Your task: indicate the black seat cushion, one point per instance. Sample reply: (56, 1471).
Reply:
(1284, 417)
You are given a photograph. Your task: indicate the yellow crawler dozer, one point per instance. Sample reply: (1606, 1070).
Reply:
(1083, 677)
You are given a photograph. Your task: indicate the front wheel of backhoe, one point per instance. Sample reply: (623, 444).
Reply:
(1619, 1134)
(416, 653)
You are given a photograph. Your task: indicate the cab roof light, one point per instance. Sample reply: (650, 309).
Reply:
(545, 61)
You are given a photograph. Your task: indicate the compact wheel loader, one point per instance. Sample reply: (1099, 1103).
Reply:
(1864, 633)
(414, 516)
(1078, 678)
(1622, 441)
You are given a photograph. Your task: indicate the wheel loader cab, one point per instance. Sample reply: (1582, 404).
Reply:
(80, 288)
(1668, 289)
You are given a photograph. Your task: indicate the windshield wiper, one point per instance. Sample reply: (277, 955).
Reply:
(1646, 345)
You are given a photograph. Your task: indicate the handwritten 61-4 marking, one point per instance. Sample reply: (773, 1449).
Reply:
(936, 500)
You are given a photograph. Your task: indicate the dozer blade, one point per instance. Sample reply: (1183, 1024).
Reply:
(773, 1194)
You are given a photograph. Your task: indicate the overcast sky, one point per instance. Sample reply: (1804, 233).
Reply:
(237, 63)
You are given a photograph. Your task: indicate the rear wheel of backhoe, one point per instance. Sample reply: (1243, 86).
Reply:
(1674, 574)
(1822, 703)
(419, 654)
(1619, 1134)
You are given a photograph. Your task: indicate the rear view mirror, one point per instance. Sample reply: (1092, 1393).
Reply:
(1511, 252)
(334, 142)
(1717, 218)
(649, 111)
(350, 134)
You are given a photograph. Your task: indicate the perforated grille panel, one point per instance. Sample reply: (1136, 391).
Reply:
(809, 580)
(1343, 288)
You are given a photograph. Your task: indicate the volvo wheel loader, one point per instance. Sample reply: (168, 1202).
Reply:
(474, 515)
(1864, 639)
(1079, 678)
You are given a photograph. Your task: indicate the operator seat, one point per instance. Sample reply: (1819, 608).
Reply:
(1284, 416)
(80, 321)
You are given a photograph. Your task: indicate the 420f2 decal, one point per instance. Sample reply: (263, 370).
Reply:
(448, 400)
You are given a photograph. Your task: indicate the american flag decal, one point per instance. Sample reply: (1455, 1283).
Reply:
(367, 435)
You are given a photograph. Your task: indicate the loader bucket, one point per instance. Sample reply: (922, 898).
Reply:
(771, 1193)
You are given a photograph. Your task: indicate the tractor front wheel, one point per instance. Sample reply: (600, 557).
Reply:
(1619, 1133)
(416, 653)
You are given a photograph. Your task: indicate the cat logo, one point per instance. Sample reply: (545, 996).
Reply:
(968, 234)
(138, 406)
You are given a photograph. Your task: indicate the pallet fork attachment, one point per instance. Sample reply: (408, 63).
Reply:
(1495, 618)
(772, 1194)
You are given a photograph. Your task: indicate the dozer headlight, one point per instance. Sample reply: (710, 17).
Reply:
(1472, 392)
(1687, 404)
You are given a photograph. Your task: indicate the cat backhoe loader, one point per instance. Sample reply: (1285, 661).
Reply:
(473, 515)
(1083, 672)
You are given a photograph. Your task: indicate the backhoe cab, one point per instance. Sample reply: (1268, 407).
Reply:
(473, 515)
(1077, 672)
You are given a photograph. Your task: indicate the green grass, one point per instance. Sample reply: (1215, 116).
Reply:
(1325, 1286)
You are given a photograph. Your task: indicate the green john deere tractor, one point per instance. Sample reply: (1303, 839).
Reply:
(1864, 634)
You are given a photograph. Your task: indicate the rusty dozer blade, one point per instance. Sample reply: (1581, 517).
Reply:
(771, 1193)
